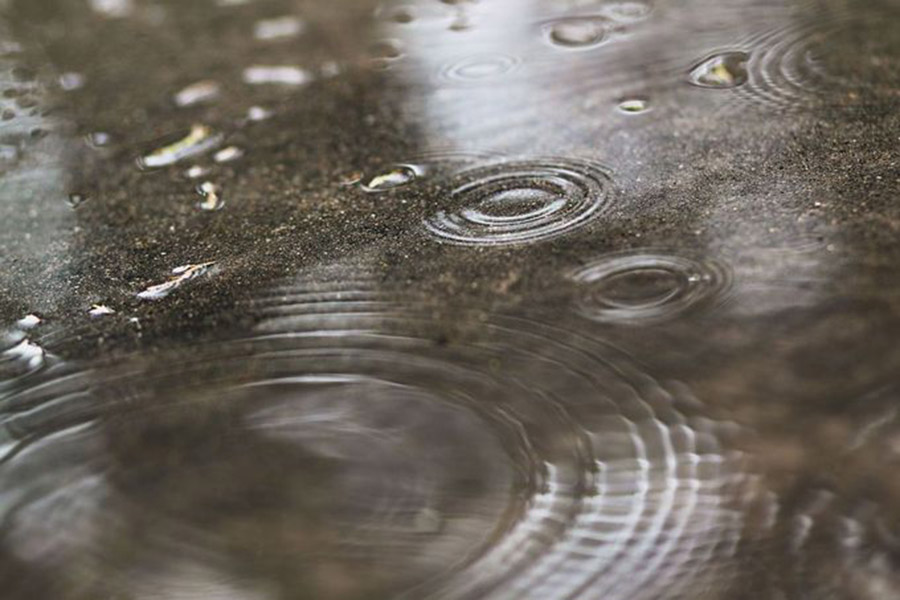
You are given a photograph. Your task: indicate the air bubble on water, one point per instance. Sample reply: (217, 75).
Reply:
(180, 276)
(725, 70)
(71, 81)
(212, 196)
(634, 105)
(398, 176)
(28, 321)
(287, 26)
(200, 139)
(75, 200)
(196, 93)
(281, 75)
(100, 310)
(228, 154)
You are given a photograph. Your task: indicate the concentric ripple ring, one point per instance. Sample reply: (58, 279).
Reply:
(520, 202)
(648, 286)
(352, 432)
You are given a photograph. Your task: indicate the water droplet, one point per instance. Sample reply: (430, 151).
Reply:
(583, 32)
(28, 321)
(281, 75)
(113, 9)
(75, 200)
(100, 310)
(258, 113)
(181, 275)
(643, 287)
(634, 105)
(403, 15)
(98, 139)
(196, 93)
(460, 23)
(520, 202)
(399, 176)
(627, 11)
(350, 179)
(196, 171)
(71, 81)
(228, 154)
(725, 70)
(200, 139)
(330, 69)
(212, 196)
(19, 356)
(278, 28)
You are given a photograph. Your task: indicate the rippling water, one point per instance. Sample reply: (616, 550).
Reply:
(449, 299)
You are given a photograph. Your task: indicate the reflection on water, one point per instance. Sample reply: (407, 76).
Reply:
(495, 299)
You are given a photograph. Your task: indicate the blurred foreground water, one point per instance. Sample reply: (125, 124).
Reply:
(449, 299)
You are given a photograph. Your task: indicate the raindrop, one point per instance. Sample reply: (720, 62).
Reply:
(212, 196)
(634, 105)
(725, 70)
(278, 28)
(646, 287)
(281, 75)
(520, 202)
(180, 276)
(100, 310)
(75, 200)
(584, 32)
(400, 175)
(228, 154)
(200, 139)
(196, 93)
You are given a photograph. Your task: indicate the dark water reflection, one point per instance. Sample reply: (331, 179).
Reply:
(567, 299)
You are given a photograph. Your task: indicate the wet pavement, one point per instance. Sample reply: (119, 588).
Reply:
(449, 299)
